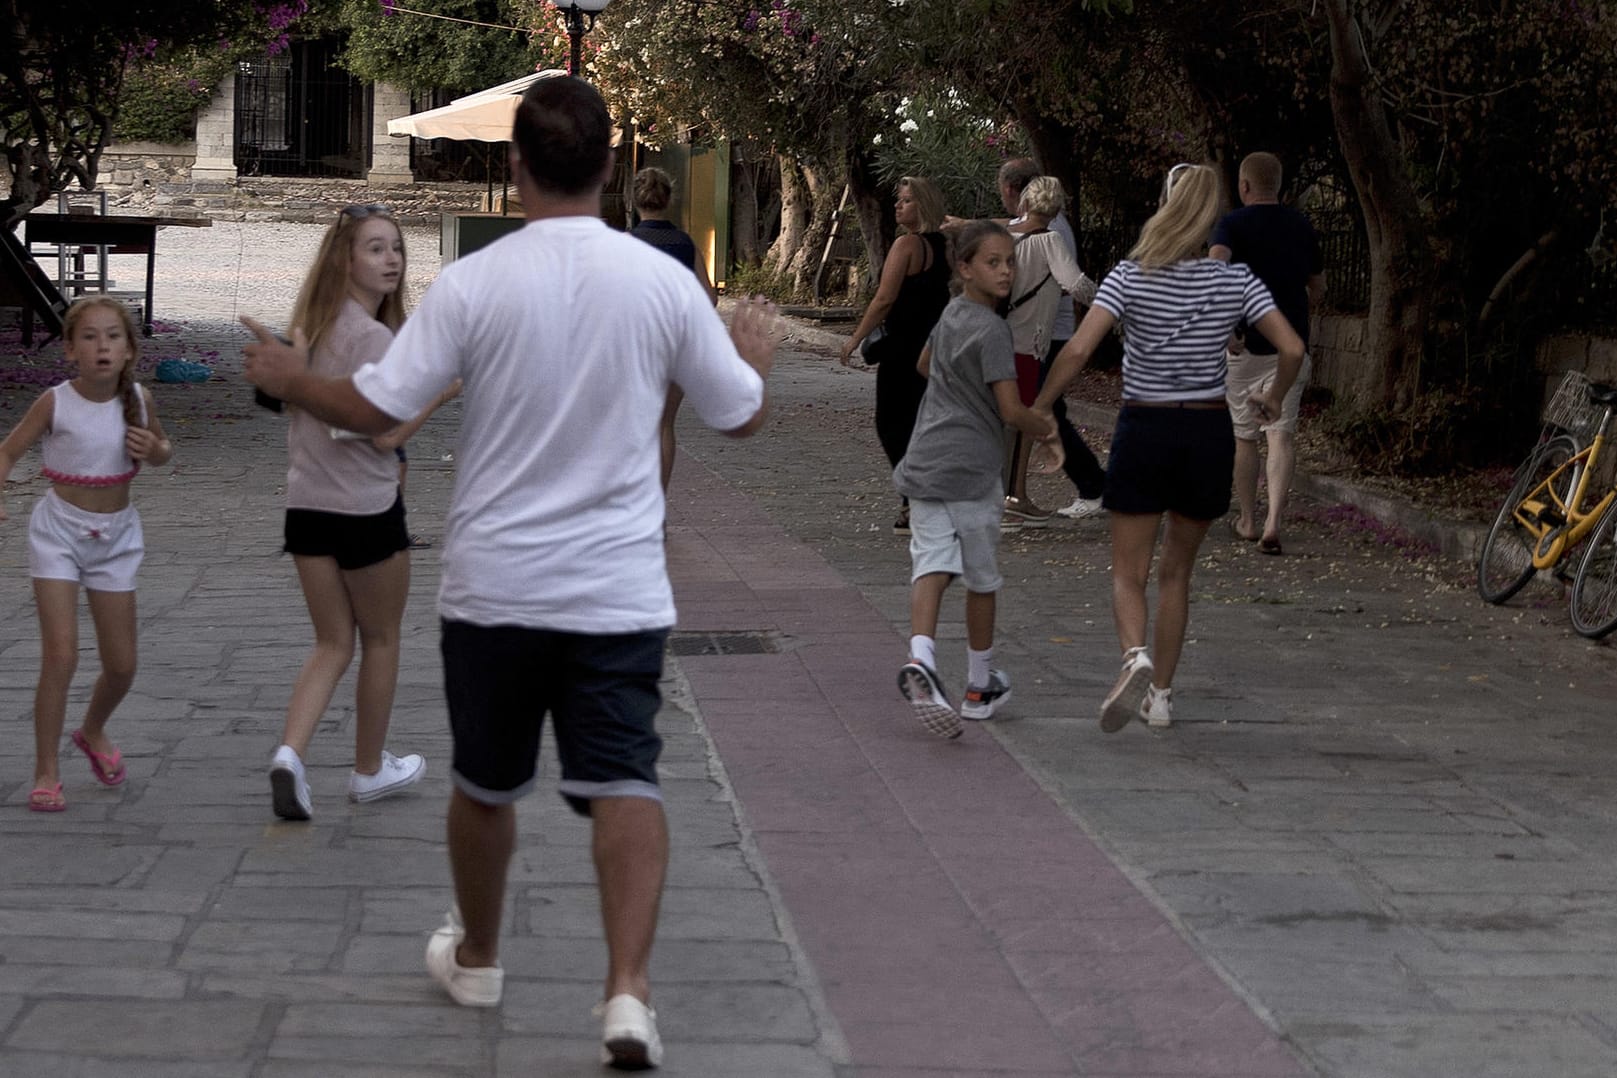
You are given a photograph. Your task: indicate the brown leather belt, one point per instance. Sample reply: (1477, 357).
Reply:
(1176, 404)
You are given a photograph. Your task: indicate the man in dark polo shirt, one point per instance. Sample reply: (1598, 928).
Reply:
(1280, 246)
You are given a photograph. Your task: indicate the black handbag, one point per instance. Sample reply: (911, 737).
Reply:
(870, 349)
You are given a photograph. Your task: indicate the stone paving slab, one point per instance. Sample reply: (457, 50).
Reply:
(1357, 732)
(1384, 814)
(958, 920)
(173, 927)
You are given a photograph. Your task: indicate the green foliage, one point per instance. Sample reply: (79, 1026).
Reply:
(62, 76)
(1441, 428)
(761, 281)
(941, 137)
(160, 99)
(427, 54)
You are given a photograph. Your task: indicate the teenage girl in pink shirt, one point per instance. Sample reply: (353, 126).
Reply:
(98, 429)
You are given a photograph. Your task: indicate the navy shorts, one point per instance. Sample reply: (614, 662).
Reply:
(1178, 460)
(355, 541)
(601, 692)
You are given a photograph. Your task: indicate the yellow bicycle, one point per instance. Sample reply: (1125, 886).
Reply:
(1548, 511)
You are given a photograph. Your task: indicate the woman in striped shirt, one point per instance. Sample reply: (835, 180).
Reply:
(1173, 451)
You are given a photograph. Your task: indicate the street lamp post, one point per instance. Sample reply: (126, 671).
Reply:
(576, 28)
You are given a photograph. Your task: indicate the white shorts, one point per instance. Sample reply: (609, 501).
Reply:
(1253, 376)
(958, 538)
(102, 551)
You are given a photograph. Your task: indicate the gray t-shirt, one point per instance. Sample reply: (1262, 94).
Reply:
(956, 452)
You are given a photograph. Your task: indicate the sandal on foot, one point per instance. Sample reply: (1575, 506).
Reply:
(108, 767)
(47, 799)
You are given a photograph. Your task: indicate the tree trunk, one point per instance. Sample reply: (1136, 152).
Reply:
(822, 199)
(1402, 267)
(795, 206)
(1054, 149)
(745, 240)
(870, 210)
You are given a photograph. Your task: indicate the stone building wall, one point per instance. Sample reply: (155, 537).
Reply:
(1340, 364)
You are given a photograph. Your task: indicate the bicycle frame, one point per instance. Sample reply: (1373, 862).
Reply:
(1555, 525)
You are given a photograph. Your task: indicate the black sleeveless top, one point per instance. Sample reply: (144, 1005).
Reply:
(921, 298)
(666, 236)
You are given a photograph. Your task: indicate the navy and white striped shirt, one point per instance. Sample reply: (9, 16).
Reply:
(1176, 324)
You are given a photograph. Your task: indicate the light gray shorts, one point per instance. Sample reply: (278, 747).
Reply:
(101, 551)
(958, 538)
(1253, 376)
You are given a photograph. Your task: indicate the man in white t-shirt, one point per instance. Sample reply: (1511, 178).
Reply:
(555, 595)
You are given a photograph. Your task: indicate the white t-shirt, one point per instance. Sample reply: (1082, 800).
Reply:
(567, 335)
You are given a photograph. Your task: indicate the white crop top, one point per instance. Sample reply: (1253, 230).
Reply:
(85, 445)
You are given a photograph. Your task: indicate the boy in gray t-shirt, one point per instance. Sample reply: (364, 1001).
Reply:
(952, 477)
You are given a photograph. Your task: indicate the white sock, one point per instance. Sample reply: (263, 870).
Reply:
(924, 650)
(977, 664)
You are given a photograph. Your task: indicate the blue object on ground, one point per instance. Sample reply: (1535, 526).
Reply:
(182, 370)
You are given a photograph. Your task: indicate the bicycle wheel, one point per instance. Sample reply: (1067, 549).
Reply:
(1594, 589)
(1506, 563)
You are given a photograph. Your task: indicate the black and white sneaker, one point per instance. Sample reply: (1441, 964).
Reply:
(921, 687)
(982, 703)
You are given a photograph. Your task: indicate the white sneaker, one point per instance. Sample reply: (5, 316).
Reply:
(478, 986)
(1157, 707)
(1081, 509)
(629, 1038)
(395, 774)
(1122, 704)
(289, 790)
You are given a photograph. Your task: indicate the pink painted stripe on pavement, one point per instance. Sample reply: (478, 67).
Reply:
(960, 923)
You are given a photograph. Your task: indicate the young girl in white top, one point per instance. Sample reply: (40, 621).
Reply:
(345, 524)
(98, 429)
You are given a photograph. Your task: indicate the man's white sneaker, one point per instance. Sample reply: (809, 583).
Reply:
(1157, 707)
(924, 691)
(395, 774)
(478, 986)
(1122, 704)
(629, 1038)
(1081, 509)
(289, 789)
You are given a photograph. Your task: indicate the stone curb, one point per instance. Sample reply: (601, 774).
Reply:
(1450, 538)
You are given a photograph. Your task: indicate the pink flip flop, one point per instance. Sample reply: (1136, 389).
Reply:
(47, 799)
(109, 769)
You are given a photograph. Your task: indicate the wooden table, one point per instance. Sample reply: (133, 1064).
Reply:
(119, 235)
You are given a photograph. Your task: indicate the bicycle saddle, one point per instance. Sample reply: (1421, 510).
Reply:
(1602, 394)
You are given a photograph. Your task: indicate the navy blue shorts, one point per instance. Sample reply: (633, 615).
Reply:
(600, 691)
(355, 541)
(1178, 460)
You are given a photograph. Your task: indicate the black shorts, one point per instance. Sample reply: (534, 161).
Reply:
(600, 690)
(1178, 460)
(355, 541)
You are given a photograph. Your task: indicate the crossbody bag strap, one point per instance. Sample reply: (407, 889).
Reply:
(1029, 294)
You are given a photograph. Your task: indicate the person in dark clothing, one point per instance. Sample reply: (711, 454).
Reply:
(653, 192)
(1280, 247)
(913, 291)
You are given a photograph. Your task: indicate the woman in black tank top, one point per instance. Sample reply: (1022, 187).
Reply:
(913, 291)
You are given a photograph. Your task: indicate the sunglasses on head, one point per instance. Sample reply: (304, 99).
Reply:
(372, 209)
(1173, 178)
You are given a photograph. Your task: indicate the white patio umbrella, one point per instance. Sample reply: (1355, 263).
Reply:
(486, 116)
